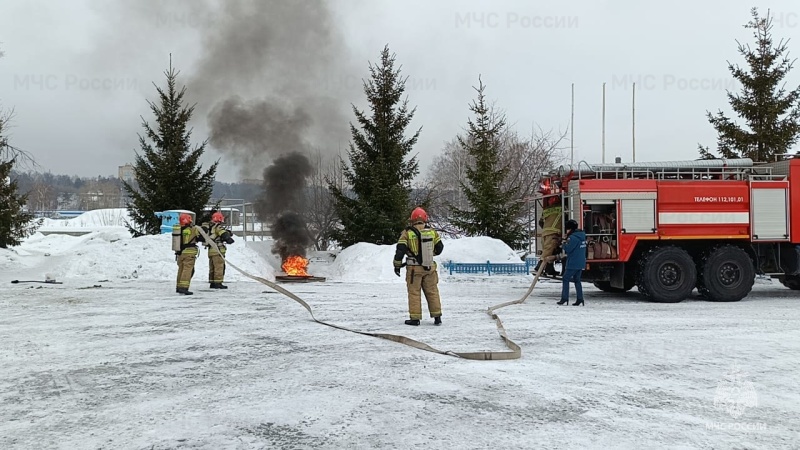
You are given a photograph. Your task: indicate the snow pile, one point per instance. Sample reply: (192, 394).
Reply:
(373, 263)
(477, 250)
(108, 251)
(115, 217)
(114, 254)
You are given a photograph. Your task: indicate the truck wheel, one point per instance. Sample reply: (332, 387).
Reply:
(791, 281)
(726, 274)
(666, 275)
(605, 286)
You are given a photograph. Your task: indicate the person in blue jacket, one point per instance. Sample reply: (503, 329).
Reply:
(575, 250)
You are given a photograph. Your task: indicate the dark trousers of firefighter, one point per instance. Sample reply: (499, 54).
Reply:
(185, 269)
(216, 267)
(419, 281)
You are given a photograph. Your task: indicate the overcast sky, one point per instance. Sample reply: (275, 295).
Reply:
(78, 73)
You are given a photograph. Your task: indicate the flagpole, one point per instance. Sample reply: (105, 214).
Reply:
(604, 123)
(572, 130)
(633, 122)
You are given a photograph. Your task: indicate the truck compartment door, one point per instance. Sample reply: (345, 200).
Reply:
(769, 219)
(637, 216)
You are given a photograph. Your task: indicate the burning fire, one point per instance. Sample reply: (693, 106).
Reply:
(295, 266)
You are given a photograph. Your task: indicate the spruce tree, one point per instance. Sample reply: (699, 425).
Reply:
(167, 173)
(493, 211)
(15, 223)
(770, 113)
(376, 209)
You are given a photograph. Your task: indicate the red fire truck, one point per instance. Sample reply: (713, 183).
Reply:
(670, 227)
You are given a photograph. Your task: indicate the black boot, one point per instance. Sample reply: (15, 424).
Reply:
(562, 302)
(578, 302)
(221, 286)
(437, 320)
(412, 322)
(184, 291)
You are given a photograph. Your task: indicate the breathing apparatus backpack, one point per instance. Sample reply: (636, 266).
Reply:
(177, 236)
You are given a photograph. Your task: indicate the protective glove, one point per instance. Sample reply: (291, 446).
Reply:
(397, 271)
(229, 241)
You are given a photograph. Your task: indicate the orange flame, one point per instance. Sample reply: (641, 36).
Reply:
(296, 266)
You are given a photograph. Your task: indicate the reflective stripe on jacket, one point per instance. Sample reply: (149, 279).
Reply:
(216, 233)
(418, 253)
(552, 220)
(189, 238)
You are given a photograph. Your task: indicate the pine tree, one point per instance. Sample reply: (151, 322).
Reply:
(167, 173)
(493, 212)
(771, 115)
(379, 175)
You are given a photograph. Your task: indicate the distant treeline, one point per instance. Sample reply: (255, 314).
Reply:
(49, 192)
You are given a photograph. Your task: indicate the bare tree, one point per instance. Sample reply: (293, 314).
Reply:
(99, 194)
(321, 214)
(7, 151)
(525, 157)
(43, 197)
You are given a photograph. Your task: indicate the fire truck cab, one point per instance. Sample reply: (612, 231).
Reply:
(671, 227)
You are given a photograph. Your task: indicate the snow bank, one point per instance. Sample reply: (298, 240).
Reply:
(115, 217)
(115, 254)
(477, 250)
(362, 262)
(109, 252)
(373, 263)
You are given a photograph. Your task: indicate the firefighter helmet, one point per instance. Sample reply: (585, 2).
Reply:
(217, 217)
(185, 219)
(571, 225)
(419, 215)
(544, 186)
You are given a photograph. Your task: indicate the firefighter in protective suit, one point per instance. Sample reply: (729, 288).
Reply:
(216, 259)
(419, 243)
(187, 254)
(551, 230)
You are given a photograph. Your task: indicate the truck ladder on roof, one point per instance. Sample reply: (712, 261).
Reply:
(718, 169)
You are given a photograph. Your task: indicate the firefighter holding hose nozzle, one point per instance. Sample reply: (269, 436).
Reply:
(216, 259)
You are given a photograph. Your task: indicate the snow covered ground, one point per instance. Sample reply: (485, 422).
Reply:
(130, 364)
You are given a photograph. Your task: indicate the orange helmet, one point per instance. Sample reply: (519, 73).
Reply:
(217, 217)
(185, 219)
(544, 186)
(419, 215)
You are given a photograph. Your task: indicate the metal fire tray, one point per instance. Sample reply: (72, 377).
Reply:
(298, 278)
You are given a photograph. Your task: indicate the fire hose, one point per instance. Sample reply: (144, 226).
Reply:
(515, 352)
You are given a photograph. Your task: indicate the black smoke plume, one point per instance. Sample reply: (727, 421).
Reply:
(283, 204)
(267, 77)
(271, 78)
(291, 236)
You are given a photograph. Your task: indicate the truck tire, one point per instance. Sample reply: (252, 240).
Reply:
(791, 281)
(726, 274)
(666, 274)
(605, 286)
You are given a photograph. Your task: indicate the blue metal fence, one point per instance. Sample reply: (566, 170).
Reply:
(492, 268)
